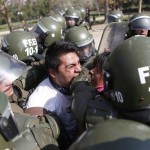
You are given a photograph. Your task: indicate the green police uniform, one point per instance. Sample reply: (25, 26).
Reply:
(26, 50)
(22, 131)
(126, 87)
(115, 135)
(84, 40)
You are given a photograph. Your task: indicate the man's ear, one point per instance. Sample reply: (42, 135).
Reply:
(52, 72)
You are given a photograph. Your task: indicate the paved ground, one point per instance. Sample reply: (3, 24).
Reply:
(96, 32)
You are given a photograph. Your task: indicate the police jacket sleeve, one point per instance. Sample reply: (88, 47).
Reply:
(82, 94)
(36, 132)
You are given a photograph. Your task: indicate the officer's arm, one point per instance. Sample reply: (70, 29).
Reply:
(22, 131)
(82, 93)
(36, 132)
(89, 107)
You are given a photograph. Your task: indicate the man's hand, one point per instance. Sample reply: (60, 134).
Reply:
(6, 89)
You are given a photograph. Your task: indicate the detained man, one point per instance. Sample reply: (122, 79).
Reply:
(53, 93)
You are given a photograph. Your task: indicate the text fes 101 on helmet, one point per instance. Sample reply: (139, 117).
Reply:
(20, 44)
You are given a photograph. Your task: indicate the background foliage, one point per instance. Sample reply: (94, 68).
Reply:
(12, 11)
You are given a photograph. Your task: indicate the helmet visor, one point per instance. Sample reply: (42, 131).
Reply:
(38, 33)
(86, 51)
(70, 22)
(10, 68)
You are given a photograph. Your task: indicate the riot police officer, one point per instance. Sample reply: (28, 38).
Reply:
(61, 20)
(126, 87)
(85, 42)
(23, 46)
(11, 69)
(87, 17)
(22, 131)
(115, 16)
(83, 22)
(72, 17)
(127, 78)
(139, 25)
(46, 31)
(83, 13)
(115, 134)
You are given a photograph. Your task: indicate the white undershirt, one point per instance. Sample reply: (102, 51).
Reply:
(48, 97)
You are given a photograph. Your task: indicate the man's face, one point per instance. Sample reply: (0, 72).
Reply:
(96, 77)
(141, 32)
(70, 22)
(85, 51)
(68, 70)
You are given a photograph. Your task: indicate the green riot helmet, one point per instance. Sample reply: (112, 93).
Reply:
(114, 135)
(11, 68)
(20, 44)
(72, 17)
(127, 75)
(60, 19)
(83, 39)
(83, 12)
(8, 126)
(80, 17)
(115, 16)
(47, 31)
(85, 24)
(140, 21)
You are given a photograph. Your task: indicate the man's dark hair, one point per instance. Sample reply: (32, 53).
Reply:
(56, 50)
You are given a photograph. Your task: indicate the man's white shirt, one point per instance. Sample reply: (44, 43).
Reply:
(48, 97)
